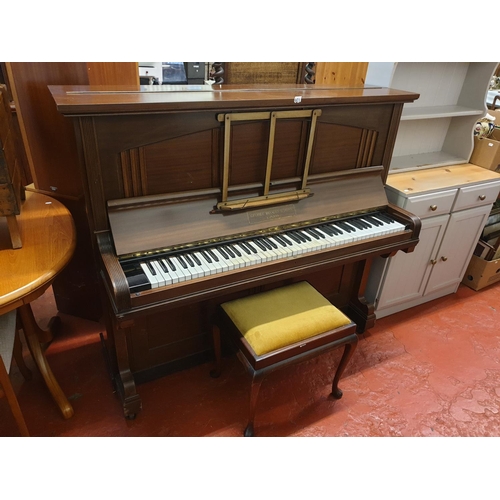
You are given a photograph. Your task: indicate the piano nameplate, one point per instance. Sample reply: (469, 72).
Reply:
(270, 214)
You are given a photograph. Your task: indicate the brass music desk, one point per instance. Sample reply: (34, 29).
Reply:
(49, 239)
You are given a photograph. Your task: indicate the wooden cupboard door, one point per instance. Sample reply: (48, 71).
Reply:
(455, 252)
(408, 273)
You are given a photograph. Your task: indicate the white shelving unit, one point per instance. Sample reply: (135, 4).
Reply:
(430, 176)
(437, 129)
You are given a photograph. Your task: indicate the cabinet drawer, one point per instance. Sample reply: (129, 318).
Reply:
(474, 196)
(428, 205)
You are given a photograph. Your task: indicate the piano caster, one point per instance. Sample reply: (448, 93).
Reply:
(249, 431)
(131, 416)
(215, 373)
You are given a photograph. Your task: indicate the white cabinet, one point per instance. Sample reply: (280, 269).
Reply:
(453, 203)
(436, 129)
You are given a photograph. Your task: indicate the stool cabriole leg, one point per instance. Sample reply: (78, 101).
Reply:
(346, 356)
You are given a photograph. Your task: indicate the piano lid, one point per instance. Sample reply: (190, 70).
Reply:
(83, 100)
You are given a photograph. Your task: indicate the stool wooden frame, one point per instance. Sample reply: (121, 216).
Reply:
(260, 366)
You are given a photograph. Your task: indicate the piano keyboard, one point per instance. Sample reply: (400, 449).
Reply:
(169, 268)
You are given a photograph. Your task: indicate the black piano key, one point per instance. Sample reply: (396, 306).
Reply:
(356, 223)
(188, 259)
(346, 227)
(328, 230)
(182, 261)
(212, 254)
(206, 256)
(249, 245)
(311, 233)
(170, 264)
(271, 242)
(295, 237)
(222, 252)
(287, 240)
(242, 245)
(151, 268)
(235, 250)
(336, 229)
(229, 250)
(373, 220)
(163, 266)
(280, 240)
(195, 258)
(384, 217)
(266, 243)
(260, 245)
(304, 237)
(362, 224)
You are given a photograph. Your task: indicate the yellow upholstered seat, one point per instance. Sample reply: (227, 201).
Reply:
(283, 326)
(283, 316)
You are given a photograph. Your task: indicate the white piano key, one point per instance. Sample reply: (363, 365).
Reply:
(151, 278)
(173, 273)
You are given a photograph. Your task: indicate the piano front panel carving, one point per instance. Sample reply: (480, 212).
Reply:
(134, 172)
(366, 148)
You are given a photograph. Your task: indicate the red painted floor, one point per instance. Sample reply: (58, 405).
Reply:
(433, 370)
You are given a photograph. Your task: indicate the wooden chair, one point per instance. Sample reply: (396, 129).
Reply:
(10, 345)
(279, 327)
(11, 189)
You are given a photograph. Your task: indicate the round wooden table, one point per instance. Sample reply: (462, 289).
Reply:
(48, 242)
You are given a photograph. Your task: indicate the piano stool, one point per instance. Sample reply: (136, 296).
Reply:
(276, 328)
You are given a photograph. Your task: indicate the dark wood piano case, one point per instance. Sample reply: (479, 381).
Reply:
(156, 164)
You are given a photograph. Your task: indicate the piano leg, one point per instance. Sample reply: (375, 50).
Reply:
(123, 379)
(359, 309)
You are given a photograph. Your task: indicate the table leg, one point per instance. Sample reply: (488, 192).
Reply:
(31, 328)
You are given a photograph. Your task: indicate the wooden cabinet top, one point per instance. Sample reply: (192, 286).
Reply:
(432, 179)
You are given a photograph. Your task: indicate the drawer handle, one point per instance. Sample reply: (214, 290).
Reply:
(433, 207)
(444, 259)
(482, 197)
(433, 262)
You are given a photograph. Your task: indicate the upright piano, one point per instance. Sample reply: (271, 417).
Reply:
(200, 194)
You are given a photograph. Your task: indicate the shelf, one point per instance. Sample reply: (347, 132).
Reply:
(425, 160)
(424, 113)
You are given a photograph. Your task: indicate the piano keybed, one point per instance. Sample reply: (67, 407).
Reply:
(164, 269)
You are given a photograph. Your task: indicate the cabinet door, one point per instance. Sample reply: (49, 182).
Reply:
(407, 273)
(456, 249)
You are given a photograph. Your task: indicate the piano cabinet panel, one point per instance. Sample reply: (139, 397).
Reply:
(172, 338)
(188, 160)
